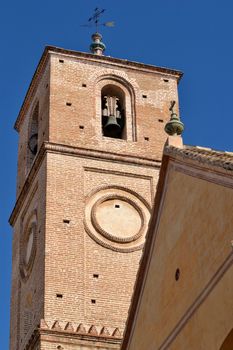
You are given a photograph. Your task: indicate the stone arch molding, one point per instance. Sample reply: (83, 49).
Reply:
(32, 128)
(130, 100)
(121, 76)
(117, 218)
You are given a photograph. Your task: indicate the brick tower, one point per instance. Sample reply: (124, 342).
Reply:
(91, 134)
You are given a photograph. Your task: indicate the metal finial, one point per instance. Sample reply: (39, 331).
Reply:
(174, 126)
(97, 46)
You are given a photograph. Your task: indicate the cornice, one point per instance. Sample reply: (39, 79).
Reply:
(88, 57)
(27, 185)
(73, 335)
(76, 152)
(116, 61)
(101, 155)
(31, 90)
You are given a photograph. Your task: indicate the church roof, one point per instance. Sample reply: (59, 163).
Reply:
(208, 156)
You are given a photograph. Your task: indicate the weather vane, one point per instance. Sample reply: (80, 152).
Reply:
(97, 47)
(95, 20)
(172, 106)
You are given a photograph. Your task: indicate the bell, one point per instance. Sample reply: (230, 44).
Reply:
(112, 128)
(32, 143)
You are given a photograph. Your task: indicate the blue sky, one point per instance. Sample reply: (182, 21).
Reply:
(194, 36)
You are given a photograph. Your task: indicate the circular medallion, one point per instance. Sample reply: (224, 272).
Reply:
(117, 218)
(28, 247)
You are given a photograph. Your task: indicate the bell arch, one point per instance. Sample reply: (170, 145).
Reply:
(114, 95)
(113, 111)
(32, 145)
(228, 342)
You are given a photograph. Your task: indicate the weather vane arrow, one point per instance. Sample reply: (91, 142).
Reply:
(94, 20)
(97, 46)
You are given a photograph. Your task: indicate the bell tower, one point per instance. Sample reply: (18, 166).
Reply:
(91, 134)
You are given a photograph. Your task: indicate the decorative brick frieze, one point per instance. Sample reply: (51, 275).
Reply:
(89, 330)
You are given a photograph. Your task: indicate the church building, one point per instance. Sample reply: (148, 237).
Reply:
(122, 235)
(183, 295)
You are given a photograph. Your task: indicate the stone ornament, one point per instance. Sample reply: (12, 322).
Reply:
(117, 218)
(174, 126)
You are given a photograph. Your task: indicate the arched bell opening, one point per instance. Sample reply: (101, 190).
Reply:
(33, 135)
(113, 112)
(228, 342)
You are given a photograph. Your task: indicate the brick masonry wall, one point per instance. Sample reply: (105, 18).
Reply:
(27, 294)
(72, 257)
(67, 79)
(54, 343)
(67, 257)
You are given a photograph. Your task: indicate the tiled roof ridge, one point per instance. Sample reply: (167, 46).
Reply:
(203, 155)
